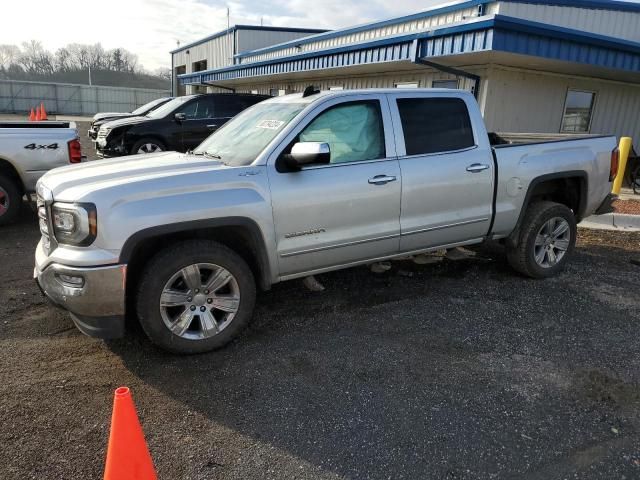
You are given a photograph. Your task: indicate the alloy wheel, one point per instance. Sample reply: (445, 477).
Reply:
(199, 301)
(4, 201)
(149, 148)
(552, 242)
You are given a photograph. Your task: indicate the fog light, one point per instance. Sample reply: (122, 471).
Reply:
(71, 280)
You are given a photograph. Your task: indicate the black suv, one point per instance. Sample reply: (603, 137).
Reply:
(101, 118)
(180, 124)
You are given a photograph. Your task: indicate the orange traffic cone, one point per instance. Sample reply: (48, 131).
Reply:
(32, 116)
(128, 457)
(37, 114)
(43, 112)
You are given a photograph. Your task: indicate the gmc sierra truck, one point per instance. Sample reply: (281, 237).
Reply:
(27, 151)
(298, 185)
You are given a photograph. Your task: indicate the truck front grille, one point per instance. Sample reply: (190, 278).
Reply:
(44, 223)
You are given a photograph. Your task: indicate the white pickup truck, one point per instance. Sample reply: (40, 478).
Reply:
(27, 151)
(298, 185)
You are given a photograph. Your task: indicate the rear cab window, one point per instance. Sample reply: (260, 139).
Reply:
(432, 125)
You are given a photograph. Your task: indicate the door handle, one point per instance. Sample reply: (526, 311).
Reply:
(477, 167)
(212, 126)
(381, 179)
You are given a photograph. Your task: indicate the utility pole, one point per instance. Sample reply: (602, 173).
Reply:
(89, 75)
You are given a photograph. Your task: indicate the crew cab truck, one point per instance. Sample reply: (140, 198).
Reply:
(299, 185)
(27, 151)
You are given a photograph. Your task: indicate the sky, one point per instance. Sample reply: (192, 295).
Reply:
(151, 28)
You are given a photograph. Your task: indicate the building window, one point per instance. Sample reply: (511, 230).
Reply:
(273, 92)
(578, 108)
(199, 66)
(445, 84)
(406, 85)
(434, 125)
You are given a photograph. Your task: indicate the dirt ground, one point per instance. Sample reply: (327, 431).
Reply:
(458, 370)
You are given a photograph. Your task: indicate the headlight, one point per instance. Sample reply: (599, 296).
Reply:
(74, 223)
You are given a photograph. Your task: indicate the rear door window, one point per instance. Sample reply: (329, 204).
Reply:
(228, 106)
(435, 125)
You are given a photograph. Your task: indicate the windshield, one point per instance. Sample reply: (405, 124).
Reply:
(168, 107)
(242, 139)
(148, 106)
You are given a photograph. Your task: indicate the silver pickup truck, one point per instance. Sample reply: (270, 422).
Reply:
(298, 185)
(27, 151)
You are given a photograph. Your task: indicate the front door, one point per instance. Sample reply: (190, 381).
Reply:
(447, 170)
(347, 210)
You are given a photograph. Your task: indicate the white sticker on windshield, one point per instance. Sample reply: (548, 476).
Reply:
(270, 124)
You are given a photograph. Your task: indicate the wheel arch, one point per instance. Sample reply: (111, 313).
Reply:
(240, 234)
(567, 188)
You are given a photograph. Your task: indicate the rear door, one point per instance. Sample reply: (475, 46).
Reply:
(447, 170)
(345, 211)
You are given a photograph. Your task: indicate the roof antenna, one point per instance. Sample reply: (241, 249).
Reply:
(310, 90)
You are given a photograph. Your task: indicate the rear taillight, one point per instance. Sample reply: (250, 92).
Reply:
(75, 151)
(615, 162)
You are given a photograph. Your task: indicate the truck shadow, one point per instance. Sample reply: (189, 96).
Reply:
(391, 375)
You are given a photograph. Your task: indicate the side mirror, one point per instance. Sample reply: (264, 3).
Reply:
(180, 117)
(307, 153)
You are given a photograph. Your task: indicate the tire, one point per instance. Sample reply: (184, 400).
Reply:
(147, 145)
(549, 256)
(10, 200)
(166, 297)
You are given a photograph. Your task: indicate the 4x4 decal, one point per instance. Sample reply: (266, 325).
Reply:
(33, 146)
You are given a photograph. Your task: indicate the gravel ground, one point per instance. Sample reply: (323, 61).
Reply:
(458, 370)
(631, 207)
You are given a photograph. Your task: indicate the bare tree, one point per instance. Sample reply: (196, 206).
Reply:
(9, 55)
(63, 61)
(163, 72)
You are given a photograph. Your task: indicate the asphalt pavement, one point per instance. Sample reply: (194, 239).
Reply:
(456, 370)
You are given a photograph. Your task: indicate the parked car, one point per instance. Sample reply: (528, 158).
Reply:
(100, 119)
(27, 151)
(299, 185)
(180, 125)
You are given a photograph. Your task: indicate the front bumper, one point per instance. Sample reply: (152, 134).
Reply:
(97, 307)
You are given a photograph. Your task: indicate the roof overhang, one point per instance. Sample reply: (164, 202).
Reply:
(478, 41)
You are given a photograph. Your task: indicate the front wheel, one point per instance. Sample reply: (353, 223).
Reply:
(546, 240)
(195, 296)
(147, 145)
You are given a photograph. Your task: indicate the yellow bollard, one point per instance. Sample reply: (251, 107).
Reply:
(625, 148)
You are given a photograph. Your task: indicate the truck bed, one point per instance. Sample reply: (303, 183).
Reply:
(508, 139)
(29, 125)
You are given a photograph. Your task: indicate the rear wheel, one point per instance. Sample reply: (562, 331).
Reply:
(546, 240)
(10, 200)
(147, 145)
(195, 296)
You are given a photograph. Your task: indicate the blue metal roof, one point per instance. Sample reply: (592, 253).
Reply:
(624, 6)
(234, 28)
(592, 4)
(498, 33)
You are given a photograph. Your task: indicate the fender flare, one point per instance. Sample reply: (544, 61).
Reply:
(582, 202)
(130, 245)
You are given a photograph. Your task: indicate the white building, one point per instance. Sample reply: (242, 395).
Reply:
(535, 65)
(219, 50)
